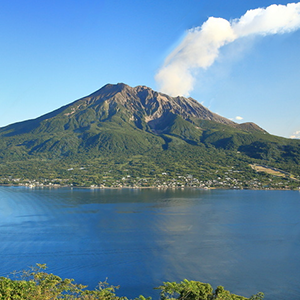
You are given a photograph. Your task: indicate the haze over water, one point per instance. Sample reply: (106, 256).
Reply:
(247, 241)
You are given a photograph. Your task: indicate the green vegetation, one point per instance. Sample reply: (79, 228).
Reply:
(195, 290)
(181, 165)
(113, 139)
(36, 284)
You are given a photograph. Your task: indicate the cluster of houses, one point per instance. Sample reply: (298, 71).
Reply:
(163, 180)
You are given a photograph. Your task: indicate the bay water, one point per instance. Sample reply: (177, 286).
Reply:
(246, 240)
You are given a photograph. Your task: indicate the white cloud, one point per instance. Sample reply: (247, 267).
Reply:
(271, 20)
(200, 47)
(238, 118)
(295, 135)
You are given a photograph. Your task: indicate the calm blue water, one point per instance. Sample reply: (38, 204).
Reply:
(247, 241)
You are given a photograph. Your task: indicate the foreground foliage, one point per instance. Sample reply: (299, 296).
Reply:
(195, 290)
(36, 284)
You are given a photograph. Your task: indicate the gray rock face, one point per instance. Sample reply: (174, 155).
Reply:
(153, 105)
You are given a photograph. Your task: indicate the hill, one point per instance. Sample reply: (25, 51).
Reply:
(125, 136)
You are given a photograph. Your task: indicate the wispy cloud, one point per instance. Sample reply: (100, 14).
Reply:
(200, 47)
(238, 118)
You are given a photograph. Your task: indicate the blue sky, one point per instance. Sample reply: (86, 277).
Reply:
(54, 52)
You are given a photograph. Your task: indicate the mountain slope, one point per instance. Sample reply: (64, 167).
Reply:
(140, 105)
(120, 122)
(116, 116)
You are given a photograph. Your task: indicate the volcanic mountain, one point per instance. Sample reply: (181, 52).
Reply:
(122, 121)
(139, 107)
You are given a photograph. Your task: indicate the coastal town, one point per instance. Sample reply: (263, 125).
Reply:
(231, 179)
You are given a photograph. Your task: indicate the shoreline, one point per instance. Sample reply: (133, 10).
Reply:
(143, 187)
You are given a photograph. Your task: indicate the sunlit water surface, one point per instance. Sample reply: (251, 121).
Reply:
(247, 241)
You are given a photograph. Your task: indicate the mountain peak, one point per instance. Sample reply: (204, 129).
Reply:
(140, 105)
(152, 104)
(109, 89)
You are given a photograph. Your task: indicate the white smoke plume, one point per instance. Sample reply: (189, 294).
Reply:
(200, 47)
